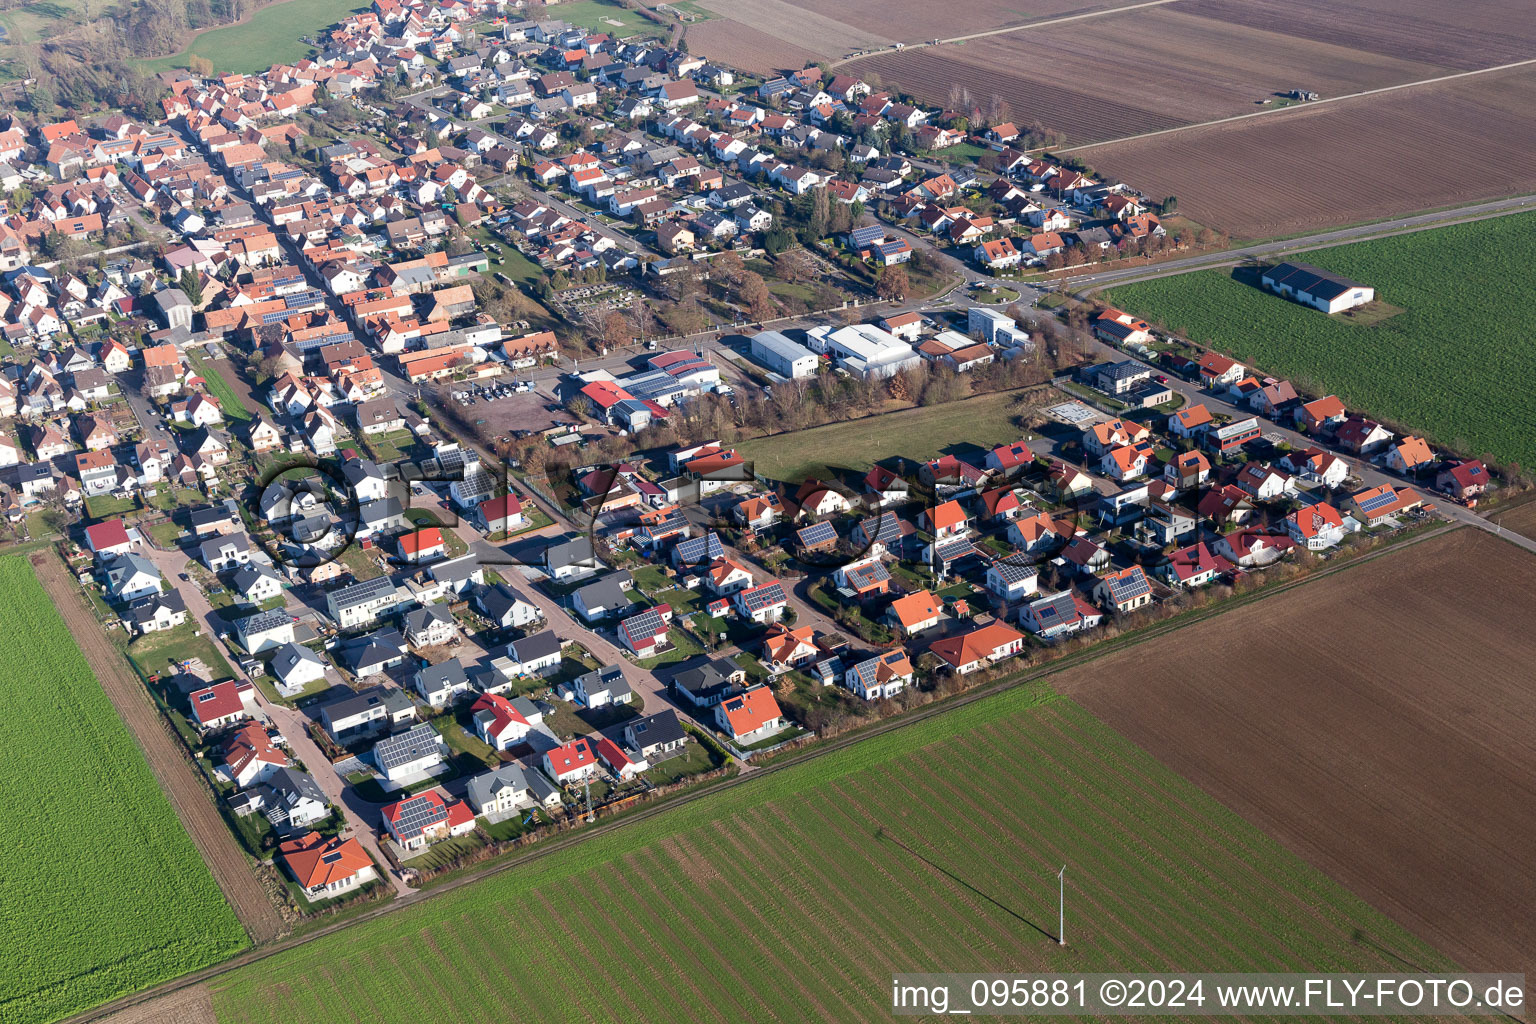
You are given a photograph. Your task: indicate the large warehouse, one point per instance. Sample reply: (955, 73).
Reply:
(863, 349)
(783, 356)
(1316, 287)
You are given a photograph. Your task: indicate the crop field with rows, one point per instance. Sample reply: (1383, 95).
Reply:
(1455, 365)
(795, 895)
(103, 893)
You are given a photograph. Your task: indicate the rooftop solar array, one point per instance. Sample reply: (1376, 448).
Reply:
(817, 533)
(765, 596)
(1131, 585)
(1380, 501)
(368, 590)
(952, 550)
(647, 624)
(700, 550)
(870, 573)
(417, 813)
(1012, 572)
(408, 746)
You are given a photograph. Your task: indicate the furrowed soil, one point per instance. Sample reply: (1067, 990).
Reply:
(187, 793)
(1360, 159)
(1380, 723)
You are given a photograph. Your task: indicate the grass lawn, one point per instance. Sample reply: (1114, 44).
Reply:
(234, 406)
(924, 846)
(270, 36)
(1454, 365)
(683, 648)
(104, 891)
(166, 533)
(360, 563)
(974, 425)
(696, 759)
(152, 652)
(104, 506)
(683, 601)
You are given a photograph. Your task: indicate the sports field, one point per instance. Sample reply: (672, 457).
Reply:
(103, 893)
(973, 425)
(796, 895)
(1455, 365)
(270, 36)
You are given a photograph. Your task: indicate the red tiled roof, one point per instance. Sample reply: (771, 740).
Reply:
(316, 861)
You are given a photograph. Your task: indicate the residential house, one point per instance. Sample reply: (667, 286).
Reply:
(751, 716)
(426, 817)
(1123, 590)
(326, 867)
(409, 755)
(1316, 527)
(979, 648)
(882, 676)
(571, 762)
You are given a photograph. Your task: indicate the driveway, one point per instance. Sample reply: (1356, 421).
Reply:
(293, 724)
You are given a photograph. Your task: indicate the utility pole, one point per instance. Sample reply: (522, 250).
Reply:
(1061, 925)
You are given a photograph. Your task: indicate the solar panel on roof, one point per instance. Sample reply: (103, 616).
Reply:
(817, 533)
(1124, 588)
(761, 597)
(697, 550)
(415, 814)
(954, 549)
(647, 624)
(1379, 501)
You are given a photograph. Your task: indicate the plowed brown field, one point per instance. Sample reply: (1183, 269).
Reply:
(1356, 160)
(740, 46)
(188, 795)
(1381, 723)
(1462, 36)
(1200, 68)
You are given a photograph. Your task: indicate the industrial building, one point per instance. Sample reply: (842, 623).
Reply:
(783, 356)
(863, 349)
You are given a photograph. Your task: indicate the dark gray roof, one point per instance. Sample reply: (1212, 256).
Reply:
(532, 648)
(376, 648)
(443, 675)
(497, 601)
(289, 785)
(390, 697)
(570, 551)
(482, 789)
(1304, 277)
(144, 609)
(418, 619)
(604, 592)
(662, 727)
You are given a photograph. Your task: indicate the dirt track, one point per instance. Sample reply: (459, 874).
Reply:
(187, 793)
(192, 1005)
(1378, 722)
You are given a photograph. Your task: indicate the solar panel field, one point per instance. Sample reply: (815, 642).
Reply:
(104, 892)
(794, 896)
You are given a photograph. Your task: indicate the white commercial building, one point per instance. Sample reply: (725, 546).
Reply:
(783, 356)
(863, 349)
(995, 328)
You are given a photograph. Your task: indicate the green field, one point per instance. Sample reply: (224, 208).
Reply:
(234, 406)
(795, 896)
(271, 36)
(1456, 365)
(595, 15)
(974, 425)
(103, 891)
